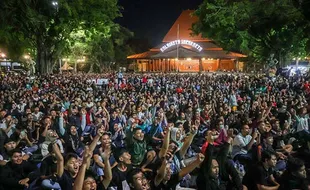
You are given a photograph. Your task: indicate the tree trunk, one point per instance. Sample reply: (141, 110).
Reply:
(91, 69)
(38, 60)
(43, 59)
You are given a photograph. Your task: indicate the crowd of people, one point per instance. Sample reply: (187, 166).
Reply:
(154, 131)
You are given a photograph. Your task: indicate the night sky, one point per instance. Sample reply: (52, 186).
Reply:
(151, 19)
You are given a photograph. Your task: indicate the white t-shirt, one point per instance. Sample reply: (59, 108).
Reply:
(302, 123)
(150, 81)
(37, 116)
(4, 126)
(239, 144)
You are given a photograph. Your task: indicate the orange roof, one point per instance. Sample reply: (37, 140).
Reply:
(236, 54)
(185, 21)
(143, 55)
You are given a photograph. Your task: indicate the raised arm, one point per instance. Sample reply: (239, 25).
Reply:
(60, 160)
(123, 108)
(188, 169)
(107, 169)
(188, 141)
(61, 124)
(166, 141)
(161, 172)
(95, 140)
(79, 180)
(265, 114)
(108, 114)
(83, 121)
(206, 164)
(223, 154)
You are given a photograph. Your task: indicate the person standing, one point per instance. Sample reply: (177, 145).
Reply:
(120, 77)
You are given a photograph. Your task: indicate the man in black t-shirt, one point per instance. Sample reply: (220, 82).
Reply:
(295, 177)
(71, 169)
(119, 172)
(261, 175)
(169, 181)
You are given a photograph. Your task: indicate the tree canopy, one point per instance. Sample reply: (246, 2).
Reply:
(48, 27)
(258, 28)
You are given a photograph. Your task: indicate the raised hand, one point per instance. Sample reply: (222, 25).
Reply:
(87, 154)
(100, 132)
(194, 129)
(211, 136)
(83, 111)
(200, 157)
(106, 153)
(169, 156)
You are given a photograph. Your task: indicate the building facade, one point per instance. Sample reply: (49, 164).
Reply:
(180, 51)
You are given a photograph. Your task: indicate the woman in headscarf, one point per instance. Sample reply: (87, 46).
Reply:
(51, 136)
(177, 136)
(73, 142)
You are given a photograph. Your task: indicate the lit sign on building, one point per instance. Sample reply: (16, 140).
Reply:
(182, 42)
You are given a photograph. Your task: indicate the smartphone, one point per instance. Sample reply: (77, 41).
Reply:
(23, 133)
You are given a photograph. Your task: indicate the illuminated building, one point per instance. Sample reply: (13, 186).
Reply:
(180, 51)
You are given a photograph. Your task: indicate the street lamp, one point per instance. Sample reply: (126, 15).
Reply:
(3, 57)
(55, 4)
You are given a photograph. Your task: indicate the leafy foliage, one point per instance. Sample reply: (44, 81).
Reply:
(102, 49)
(256, 28)
(47, 26)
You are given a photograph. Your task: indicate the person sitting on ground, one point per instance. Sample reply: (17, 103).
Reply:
(141, 154)
(48, 170)
(242, 145)
(16, 174)
(88, 182)
(120, 171)
(68, 168)
(217, 173)
(260, 176)
(295, 177)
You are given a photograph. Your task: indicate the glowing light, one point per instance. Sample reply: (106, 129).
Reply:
(182, 42)
(3, 55)
(189, 59)
(203, 59)
(26, 56)
(80, 60)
